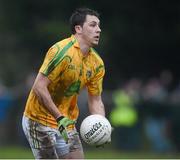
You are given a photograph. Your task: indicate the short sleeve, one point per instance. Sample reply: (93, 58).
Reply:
(95, 84)
(54, 63)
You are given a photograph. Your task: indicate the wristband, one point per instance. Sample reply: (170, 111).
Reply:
(59, 118)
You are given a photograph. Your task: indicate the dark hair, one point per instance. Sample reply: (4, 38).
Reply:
(78, 17)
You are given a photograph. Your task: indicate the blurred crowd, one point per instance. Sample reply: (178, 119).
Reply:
(144, 113)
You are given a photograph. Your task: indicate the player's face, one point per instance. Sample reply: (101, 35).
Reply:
(91, 30)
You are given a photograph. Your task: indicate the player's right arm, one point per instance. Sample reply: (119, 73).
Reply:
(45, 77)
(54, 64)
(40, 88)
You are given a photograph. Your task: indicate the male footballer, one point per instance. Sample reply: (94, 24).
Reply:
(51, 109)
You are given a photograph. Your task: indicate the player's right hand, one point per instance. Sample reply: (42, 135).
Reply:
(63, 123)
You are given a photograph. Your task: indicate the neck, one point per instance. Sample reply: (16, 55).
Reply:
(83, 45)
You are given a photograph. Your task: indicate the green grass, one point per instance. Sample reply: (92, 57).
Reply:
(100, 153)
(15, 152)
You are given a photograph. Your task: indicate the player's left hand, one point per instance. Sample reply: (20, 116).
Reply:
(107, 142)
(102, 145)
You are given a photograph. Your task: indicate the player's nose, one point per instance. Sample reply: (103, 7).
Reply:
(98, 29)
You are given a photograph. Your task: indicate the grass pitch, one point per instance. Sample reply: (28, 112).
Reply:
(100, 153)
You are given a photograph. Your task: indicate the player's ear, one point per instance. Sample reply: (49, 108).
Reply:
(78, 29)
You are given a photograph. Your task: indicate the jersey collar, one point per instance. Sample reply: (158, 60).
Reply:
(76, 44)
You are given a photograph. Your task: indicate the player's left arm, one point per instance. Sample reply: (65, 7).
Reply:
(96, 105)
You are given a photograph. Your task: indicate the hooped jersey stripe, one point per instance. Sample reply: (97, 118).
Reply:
(57, 59)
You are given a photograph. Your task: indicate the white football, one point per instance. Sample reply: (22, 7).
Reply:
(95, 130)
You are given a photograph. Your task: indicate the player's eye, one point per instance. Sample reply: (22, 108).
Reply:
(92, 24)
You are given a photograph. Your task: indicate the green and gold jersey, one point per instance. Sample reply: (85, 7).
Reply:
(69, 71)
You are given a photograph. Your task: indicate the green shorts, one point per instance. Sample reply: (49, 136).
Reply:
(47, 143)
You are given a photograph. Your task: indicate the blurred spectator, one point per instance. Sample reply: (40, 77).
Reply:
(5, 104)
(154, 95)
(166, 79)
(174, 102)
(124, 116)
(22, 92)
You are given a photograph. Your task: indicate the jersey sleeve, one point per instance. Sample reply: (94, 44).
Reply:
(95, 84)
(54, 63)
